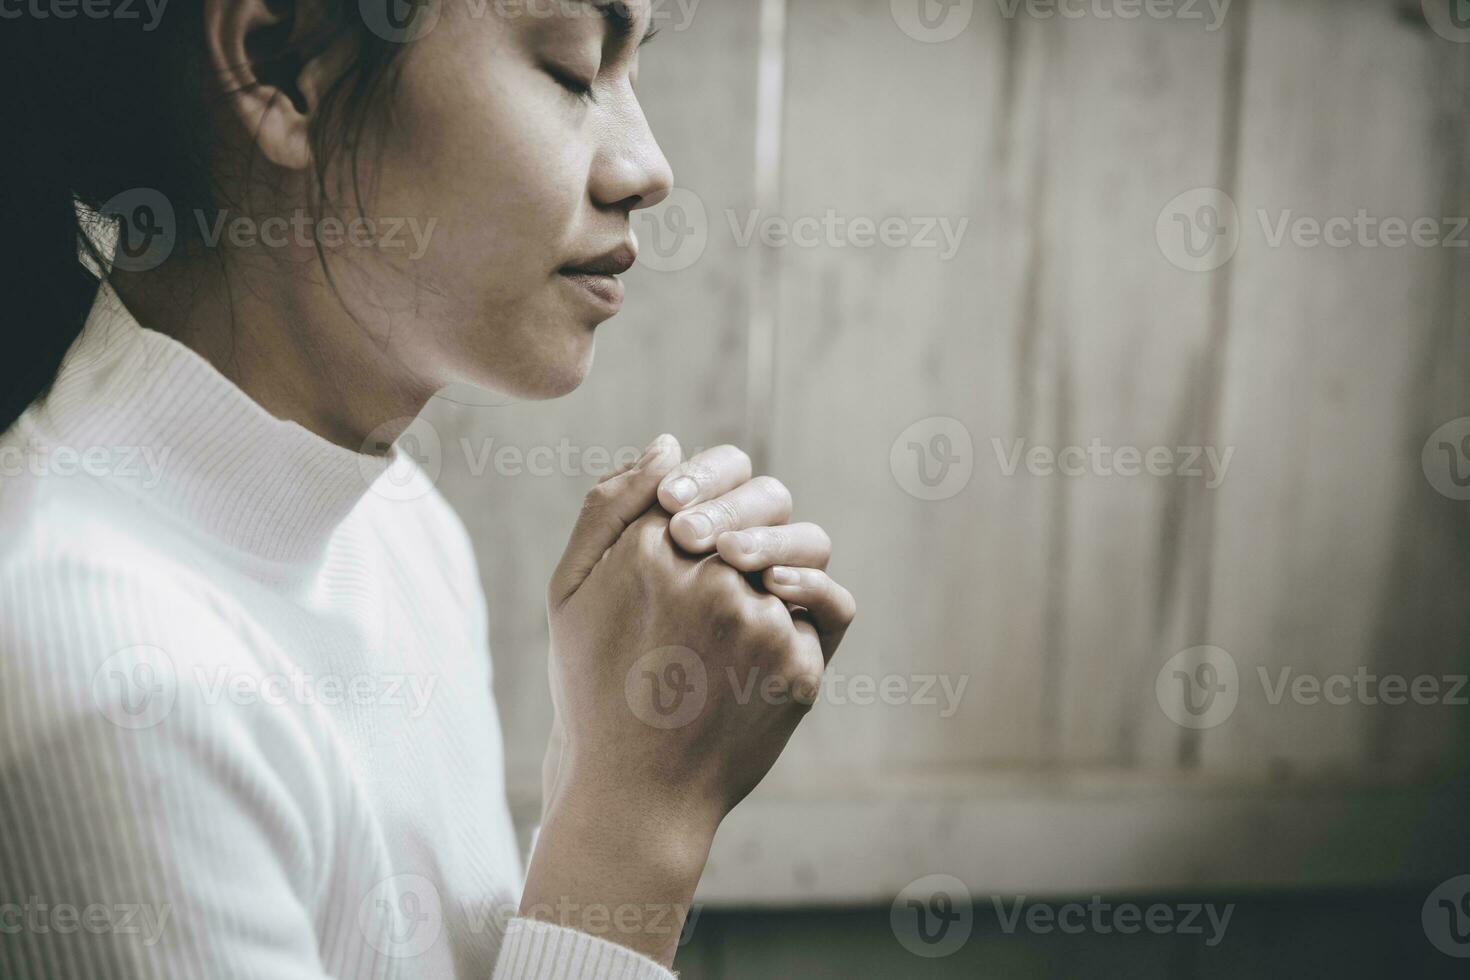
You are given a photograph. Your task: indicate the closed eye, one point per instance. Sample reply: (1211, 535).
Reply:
(576, 86)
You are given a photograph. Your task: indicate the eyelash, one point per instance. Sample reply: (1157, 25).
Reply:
(574, 85)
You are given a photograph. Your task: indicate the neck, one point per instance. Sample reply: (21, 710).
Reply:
(275, 328)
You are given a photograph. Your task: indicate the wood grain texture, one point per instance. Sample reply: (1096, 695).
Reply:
(1060, 319)
(1325, 397)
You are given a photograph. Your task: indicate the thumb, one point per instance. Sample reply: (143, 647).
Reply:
(608, 510)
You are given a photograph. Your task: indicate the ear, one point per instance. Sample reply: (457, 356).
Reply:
(264, 78)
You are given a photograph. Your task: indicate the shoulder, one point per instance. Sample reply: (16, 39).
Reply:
(113, 624)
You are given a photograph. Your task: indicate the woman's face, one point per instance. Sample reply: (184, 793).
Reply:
(516, 132)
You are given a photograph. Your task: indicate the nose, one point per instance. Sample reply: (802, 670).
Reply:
(631, 171)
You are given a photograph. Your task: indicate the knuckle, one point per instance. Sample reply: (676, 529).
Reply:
(846, 603)
(699, 471)
(723, 513)
(805, 690)
(600, 496)
(726, 618)
(803, 678)
(768, 622)
(650, 536)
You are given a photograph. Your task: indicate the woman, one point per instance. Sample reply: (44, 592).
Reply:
(211, 606)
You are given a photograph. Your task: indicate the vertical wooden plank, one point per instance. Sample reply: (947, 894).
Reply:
(1425, 628)
(673, 360)
(871, 340)
(1134, 114)
(1324, 390)
(1058, 321)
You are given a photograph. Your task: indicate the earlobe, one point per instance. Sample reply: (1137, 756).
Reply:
(249, 51)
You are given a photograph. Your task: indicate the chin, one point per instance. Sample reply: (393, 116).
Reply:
(542, 357)
(556, 377)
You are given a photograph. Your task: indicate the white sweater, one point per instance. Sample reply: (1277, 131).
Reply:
(246, 722)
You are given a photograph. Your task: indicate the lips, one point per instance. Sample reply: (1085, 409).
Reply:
(599, 276)
(612, 263)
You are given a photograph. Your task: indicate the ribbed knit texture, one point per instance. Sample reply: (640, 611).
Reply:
(246, 722)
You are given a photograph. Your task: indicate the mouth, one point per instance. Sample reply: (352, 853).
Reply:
(600, 279)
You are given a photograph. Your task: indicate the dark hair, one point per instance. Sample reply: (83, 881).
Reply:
(95, 107)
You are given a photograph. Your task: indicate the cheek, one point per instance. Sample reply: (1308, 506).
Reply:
(480, 144)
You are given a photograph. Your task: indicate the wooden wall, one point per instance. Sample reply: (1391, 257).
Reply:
(1061, 319)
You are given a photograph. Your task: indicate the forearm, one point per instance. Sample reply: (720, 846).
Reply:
(618, 868)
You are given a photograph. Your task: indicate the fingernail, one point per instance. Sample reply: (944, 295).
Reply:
(684, 490)
(744, 543)
(785, 576)
(700, 526)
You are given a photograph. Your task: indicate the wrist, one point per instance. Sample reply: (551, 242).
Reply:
(618, 865)
(668, 834)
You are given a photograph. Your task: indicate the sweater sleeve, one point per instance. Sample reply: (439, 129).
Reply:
(536, 950)
(150, 831)
(155, 827)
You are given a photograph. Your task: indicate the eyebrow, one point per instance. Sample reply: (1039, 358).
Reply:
(620, 20)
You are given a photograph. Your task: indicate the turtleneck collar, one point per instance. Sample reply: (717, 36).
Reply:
(202, 448)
